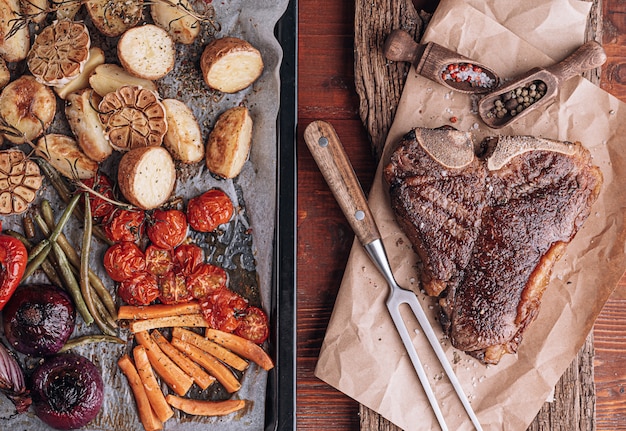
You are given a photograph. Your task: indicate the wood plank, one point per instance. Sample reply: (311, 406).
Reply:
(379, 84)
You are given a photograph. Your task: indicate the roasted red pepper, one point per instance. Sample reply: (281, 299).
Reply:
(13, 257)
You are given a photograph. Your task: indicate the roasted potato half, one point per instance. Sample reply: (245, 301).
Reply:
(176, 20)
(14, 48)
(230, 64)
(114, 17)
(146, 51)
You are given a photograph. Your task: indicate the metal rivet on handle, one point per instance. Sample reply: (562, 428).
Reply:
(323, 141)
(359, 215)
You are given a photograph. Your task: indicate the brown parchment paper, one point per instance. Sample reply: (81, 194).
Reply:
(363, 356)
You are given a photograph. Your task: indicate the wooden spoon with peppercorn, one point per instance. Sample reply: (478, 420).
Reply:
(535, 88)
(440, 64)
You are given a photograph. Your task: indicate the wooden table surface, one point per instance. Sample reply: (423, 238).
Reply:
(326, 91)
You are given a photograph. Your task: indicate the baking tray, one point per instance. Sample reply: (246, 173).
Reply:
(281, 391)
(278, 412)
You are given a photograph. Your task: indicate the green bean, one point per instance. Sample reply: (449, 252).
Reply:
(64, 218)
(75, 260)
(85, 288)
(37, 250)
(36, 261)
(60, 185)
(87, 339)
(71, 284)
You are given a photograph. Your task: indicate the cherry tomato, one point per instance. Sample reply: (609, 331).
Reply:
(209, 210)
(158, 260)
(187, 258)
(125, 225)
(253, 325)
(205, 280)
(141, 289)
(167, 228)
(123, 259)
(224, 309)
(102, 185)
(173, 289)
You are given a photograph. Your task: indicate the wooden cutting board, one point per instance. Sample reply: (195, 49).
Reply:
(379, 85)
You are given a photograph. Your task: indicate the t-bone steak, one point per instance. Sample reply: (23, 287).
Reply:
(489, 230)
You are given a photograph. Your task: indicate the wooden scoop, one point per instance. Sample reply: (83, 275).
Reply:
(440, 64)
(586, 57)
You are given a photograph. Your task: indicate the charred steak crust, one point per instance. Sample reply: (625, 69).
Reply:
(488, 232)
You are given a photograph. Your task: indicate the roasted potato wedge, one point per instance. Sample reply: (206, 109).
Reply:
(37, 10)
(28, 106)
(107, 78)
(229, 142)
(183, 138)
(176, 20)
(85, 123)
(114, 17)
(14, 48)
(66, 156)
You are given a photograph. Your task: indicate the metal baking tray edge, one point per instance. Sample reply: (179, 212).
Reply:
(281, 388)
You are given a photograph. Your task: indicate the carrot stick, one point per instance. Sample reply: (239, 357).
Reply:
(161, 408)
(224, 355)
(242, 347)
(201, 377)
(146, 415)
(172, 375)
(190, 320)
(132, 312)
(209, 363)
(205, 408)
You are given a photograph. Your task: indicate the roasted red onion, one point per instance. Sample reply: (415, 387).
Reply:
(12, 383)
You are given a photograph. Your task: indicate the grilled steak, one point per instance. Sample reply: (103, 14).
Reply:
(488, 231)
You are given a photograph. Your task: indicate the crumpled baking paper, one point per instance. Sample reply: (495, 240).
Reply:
(363, 356)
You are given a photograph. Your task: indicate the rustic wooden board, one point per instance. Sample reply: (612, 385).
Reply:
(379, 85)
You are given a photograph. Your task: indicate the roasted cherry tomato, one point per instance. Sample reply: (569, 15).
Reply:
(187, 258)
(140, 289)
(123, 259)
(158, 260)
(224, 309)
(101, 208)
(125, 225)
(253, 325)
(209, 210)
(13, 259)
(205, 280)
(167, 228)
(173, 289)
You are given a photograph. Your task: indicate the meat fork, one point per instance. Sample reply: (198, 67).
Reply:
(333, 162)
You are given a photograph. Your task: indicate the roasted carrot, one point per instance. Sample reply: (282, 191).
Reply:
(161, 408)
(189, 320)
(172, 375)
(205, 408)
(210, 363)
(132, 312)
(201, 377)
(146, 415)
(242, 347)
(221, 353)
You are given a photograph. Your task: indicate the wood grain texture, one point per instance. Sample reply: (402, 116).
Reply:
(573, 407)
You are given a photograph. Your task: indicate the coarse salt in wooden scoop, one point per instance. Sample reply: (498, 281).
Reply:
(441, 65)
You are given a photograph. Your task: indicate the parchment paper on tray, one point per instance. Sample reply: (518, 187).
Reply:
(362, 355)
(246, 246)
